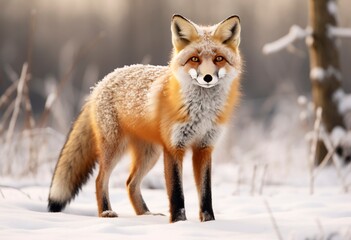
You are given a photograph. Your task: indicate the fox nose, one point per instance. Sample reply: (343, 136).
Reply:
(207, 78)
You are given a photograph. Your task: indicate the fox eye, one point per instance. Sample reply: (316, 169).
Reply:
(195, 59)
(219, 59)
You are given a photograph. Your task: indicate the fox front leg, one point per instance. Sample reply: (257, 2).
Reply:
(202, 174)
(173, 162)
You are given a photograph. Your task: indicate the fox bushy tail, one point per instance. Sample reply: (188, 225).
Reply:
(75, 164)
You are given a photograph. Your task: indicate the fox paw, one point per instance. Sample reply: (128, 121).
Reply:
(179, 216)
(108, 214)
(206, 216)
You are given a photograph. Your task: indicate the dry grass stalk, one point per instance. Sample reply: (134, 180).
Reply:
(18, 101)
(253, 180)
(11, 73)
(6, 96)
(29, 125)
(29, 118)
(6, 116)
(331, 149)
(30, 121)
(238, 181)
(17, 189)
(13, 120)
(274, 223)
(321, 229)
(312, 157)
(34, 146)
(263, 179)
(324, 162)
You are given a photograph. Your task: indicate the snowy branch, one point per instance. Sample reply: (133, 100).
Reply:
(295, 33)
(340, 32)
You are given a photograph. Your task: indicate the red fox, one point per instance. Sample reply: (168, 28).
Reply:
(149, 109)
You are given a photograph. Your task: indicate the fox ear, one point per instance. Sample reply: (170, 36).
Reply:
(228, 31)
(183, 32)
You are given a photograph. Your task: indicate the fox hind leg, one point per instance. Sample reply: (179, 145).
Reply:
(109, 157)
(144, 157)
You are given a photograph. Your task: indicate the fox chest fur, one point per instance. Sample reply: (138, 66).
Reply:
(203, 108)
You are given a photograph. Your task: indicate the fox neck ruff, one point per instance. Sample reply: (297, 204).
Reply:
(203, 107)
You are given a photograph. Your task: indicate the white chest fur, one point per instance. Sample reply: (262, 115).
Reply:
(203, 106)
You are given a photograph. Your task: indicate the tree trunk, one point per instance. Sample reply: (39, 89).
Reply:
(325, 72)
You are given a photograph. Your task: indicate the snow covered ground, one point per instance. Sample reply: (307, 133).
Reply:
(239, 215)
(268, 164)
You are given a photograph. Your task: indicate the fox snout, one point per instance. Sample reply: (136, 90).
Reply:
(207, 80)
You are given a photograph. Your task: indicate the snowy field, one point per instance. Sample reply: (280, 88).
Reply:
(239, 214)
(261, 190)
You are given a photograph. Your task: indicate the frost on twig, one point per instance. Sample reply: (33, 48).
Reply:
(263, 178)
(295, 33)
(343, 102)
(313, 152)
(339, 32)
(331, 148)
(274, 222)
(253, 180)
(238, 183)
(319, 74)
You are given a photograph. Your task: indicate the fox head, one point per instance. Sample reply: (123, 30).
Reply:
(205, 56)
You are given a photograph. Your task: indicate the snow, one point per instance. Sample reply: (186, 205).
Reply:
(337, 134)
(319, 74)
(50, 100)
(345, 104)
(268, 163)
(237, 216)
(338, 94)
(332, 7)
(309, 38)
(339, 32)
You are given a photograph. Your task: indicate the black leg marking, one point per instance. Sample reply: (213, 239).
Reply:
(206, 212)
(146, 209)
(106, 208)
(177, 197)
(105, 204)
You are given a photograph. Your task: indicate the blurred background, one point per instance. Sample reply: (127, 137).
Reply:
(139, 31)
(83, 40)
